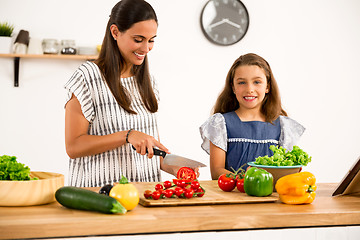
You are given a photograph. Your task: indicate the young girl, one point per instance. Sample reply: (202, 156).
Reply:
(112, 105)
(248, 118)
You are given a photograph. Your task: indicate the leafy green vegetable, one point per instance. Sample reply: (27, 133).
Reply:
(282, 157)
(10, 169)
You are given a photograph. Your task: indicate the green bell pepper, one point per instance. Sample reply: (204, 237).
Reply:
(258, 182)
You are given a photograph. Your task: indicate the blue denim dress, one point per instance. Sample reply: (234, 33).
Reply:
(248, 140)
(243, 142)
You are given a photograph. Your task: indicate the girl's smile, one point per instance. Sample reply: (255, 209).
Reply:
(249, 98)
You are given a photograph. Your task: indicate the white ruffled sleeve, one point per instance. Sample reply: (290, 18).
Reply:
(214, 130)
(291, 132)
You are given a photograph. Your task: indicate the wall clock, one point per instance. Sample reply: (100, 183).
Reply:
(224, 22)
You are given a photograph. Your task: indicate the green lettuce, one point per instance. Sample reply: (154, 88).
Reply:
(282, 157)
(10, 169)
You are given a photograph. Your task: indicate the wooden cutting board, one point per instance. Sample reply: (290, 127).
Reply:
(213, 195)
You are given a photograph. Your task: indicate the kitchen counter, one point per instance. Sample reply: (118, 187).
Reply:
(53, 220)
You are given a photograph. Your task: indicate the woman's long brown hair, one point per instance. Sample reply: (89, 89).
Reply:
(271, 107)
(110, 62)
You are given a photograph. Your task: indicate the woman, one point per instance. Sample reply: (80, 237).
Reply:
(112, 105)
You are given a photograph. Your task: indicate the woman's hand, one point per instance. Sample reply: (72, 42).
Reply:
(196, 170)
(144, 143)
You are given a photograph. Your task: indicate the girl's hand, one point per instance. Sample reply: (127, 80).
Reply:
(145, 143)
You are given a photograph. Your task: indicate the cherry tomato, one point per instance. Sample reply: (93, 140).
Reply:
(161, 191)
(200, 192)
(179, 191)
(158, 186)
(226, 182)
(147, 194)
(186, 173)
(189, 193)
(155, 195)
(240, 185)
(195, 185)
(180, 182)
(168, 193)
(167, 184)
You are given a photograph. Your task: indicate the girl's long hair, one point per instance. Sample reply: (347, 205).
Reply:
(110, 62)
(271, 107)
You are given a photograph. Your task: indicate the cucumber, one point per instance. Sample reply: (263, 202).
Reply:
(83, 199)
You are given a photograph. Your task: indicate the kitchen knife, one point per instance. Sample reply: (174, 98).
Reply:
(172, 159)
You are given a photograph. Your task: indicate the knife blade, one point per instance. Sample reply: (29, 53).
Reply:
(172, 159)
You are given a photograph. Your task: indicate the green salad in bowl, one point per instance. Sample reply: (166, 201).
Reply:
(11, 169)
(282, 157)
(283, 162)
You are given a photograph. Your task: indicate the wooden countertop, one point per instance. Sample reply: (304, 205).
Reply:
(53, 220)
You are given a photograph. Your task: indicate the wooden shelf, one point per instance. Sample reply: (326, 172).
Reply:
(41, 56)
(53, 56)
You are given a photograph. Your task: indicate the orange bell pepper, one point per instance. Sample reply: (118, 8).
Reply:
(297, 188)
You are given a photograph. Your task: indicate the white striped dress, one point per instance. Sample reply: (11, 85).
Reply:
(106, 116)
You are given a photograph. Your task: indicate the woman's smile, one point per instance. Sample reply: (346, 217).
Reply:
(140, 56)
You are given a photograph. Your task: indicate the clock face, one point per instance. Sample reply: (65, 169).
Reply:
(224, 22)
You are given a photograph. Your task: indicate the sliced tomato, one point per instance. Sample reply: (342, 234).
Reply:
(186, 173)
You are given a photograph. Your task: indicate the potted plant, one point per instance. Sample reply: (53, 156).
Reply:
(6, 31)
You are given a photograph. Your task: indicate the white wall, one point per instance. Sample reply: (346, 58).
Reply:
(312, 46)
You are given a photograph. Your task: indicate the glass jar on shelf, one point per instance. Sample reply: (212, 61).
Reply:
(68, 47)
(50, 46)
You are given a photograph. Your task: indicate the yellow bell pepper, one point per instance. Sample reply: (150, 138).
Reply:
(297, 188)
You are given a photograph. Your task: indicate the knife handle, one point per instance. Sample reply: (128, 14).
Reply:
(157, 152)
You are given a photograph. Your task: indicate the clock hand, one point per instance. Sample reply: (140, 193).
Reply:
(232, 23)
(217, 23)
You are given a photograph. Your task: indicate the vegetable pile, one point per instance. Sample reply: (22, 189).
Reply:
(118, 198)
(282, 157)
(254, 181)
(185, 186)
(84, 199)
(12, 170)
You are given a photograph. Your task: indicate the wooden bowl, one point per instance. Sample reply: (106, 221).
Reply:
(278, 171)
(32, 192)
